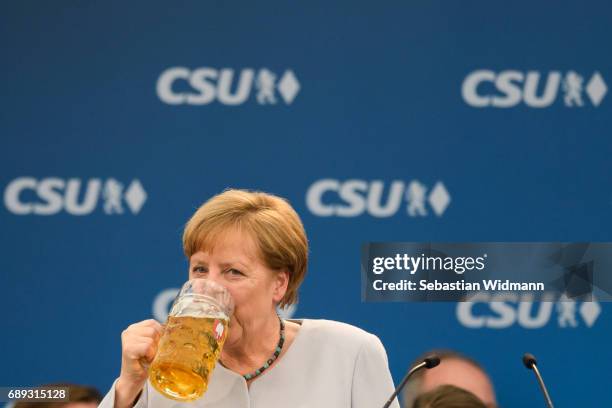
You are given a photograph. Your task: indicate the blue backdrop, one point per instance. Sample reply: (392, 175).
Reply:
(395, 121)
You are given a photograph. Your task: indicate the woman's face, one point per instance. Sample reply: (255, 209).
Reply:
(235, 264)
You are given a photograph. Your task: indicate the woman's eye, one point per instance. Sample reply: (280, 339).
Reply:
(199, 269)
(235, 272)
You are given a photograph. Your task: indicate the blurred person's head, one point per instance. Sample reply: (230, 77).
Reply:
(454, 369)
(448, 396)
(79, 396)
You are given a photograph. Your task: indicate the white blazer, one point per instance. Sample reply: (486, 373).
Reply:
(329, 364)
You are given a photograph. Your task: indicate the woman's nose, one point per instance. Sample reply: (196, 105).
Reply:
(216, 276)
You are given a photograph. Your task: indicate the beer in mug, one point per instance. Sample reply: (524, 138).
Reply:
(188, 350)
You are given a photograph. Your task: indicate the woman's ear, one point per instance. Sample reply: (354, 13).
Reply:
(281, 282)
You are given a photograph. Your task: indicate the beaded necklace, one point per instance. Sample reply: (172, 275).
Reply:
(277, 352)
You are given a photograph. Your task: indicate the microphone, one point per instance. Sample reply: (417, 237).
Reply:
(530, 362)
(430, 361)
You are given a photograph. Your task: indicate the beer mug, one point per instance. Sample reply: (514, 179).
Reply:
(192, 341)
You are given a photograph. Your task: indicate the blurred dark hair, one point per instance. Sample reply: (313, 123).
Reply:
(448, 396)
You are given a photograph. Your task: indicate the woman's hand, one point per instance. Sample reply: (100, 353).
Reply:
(138, 348)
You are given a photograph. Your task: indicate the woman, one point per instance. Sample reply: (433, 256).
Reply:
(255, 245)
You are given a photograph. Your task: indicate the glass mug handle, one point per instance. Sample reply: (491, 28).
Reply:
(142, 360)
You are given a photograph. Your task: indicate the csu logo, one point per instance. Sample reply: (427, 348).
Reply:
(504, 311)
(506, 89)
(182, 86)
(351, 198)
(49, 196)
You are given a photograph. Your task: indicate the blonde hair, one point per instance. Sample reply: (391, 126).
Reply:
(271, 222)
